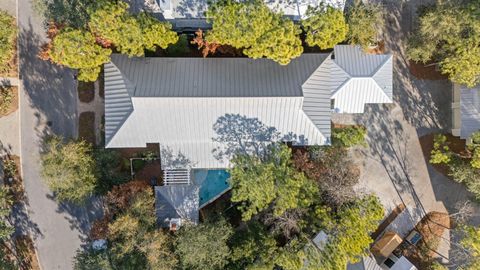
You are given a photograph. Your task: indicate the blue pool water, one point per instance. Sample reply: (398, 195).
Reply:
(212, 184)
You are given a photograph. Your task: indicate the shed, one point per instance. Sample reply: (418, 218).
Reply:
(386, 244)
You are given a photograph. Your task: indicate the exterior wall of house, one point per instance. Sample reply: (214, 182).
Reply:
(456, 112)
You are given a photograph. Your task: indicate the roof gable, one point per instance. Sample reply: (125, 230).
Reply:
(176, 201)
(317, 91)
(118, 102)
(358, 63)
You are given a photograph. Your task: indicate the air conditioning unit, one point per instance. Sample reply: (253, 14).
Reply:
(175, 224)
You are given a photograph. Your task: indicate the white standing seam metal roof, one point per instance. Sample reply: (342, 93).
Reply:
(176, 201)
(470, 110)
(368, 79)
(177, 101)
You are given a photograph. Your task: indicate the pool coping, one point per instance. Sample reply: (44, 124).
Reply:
(219, 194)
(215, 198)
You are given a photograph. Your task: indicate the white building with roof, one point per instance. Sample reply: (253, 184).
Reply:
(200, 109)
(466, 110)
(190, 14)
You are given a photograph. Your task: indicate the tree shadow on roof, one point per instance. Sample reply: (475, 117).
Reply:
(171, 160)
(190, 8)
(239, 134)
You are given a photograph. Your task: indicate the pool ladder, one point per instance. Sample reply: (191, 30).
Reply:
(176, 177)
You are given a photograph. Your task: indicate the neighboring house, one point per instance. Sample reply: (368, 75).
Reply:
(203, 110)
(190, 14)
(466, 111)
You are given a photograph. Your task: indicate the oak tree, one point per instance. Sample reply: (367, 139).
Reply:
(259, 183)
(255, 28)
(325, 26)
(77, 49)
(449, 34)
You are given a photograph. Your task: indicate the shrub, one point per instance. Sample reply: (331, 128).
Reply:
(68, 168)
(440, 153)
(8, 33)
(461, 171)
(10, 168)
(181, 48)
(6, 98)
(349, 136)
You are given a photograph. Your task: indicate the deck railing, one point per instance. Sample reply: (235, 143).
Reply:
(176, 177)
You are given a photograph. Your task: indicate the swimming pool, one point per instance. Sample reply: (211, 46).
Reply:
(213, 183)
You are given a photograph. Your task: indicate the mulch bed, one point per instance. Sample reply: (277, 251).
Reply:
(431, 227)
(26, 251)
(101, 84)
(150, 169)
(14, 105)
(86, 127)
(16, 185)
(422, 71)
(12, 65)
(455, 144)
(86, 91)
(135, 152)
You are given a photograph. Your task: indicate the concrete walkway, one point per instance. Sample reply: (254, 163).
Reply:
(9, 134)
(9, 81)
(97, 105)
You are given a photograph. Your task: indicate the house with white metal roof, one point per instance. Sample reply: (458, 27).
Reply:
(194, 107)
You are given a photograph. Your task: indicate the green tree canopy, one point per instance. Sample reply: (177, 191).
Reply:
(325, 26)
(364, 22)
(68, 168)
(449, 34)
(92, 260)
(131, 35)
(255, 28)
(250, 244)
(471, 243)
(107, 163)
(8, 33)
(259, 183)
(77, 49)
(203, 246)
(134, 240)
(350, 237)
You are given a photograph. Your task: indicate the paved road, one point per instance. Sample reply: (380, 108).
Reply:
(48, 105)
